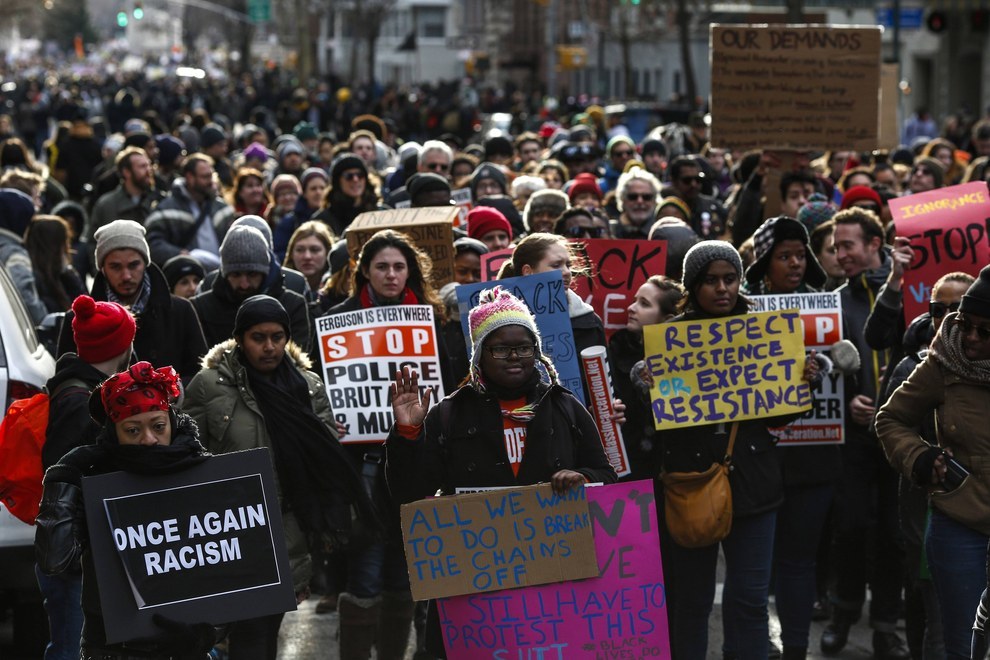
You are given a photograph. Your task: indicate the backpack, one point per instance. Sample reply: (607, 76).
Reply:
(22, 435)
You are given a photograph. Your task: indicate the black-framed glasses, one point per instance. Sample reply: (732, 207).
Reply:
(438, 167)
(967, 326)
(352, 176)
(642, 197)
(586, 232)
(688, 180)
(625, 153)
(503, 352)
(938, 310)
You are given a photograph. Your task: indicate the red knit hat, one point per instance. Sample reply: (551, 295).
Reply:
(585, 183)
(483, 219)
(101, 330)
(861, 194)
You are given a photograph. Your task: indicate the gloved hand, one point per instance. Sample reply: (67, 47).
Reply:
(921, 471)
(185, 638)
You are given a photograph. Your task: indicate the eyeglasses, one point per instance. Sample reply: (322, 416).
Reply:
(643, 197)
(688, 180)
(967, 326)
(625, 153)
(939, 310)
(586, 232)
(438, 167)
(923, 171)
(352, 176)
(503, 352)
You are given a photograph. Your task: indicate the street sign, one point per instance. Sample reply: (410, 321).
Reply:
(259, 11)
(910, 17)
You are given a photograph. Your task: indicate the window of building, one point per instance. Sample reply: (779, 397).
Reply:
(431, 22)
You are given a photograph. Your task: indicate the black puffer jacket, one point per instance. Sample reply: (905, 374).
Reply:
(639, 433)
(462, 445)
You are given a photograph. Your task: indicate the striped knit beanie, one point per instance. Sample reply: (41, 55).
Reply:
(497, 308)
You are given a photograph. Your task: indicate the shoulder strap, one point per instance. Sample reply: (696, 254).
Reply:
(68, 385)
(732, 442)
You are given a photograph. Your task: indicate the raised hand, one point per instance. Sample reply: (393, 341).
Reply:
(409, 407)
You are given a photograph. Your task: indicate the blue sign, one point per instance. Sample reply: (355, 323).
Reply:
(546, 296)
(910, 17)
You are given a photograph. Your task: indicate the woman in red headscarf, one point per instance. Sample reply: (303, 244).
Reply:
(143, 434)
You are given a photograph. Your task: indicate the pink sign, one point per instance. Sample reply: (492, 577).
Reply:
(622, 614)
(948, 230)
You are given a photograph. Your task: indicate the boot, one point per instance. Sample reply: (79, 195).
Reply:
(836, 634)
(794, 653)
(394, 623)
(358, 625)
(888, 646)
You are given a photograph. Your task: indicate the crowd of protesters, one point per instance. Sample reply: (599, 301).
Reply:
(200, 226)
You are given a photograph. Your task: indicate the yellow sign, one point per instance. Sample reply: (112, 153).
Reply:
(725, 369)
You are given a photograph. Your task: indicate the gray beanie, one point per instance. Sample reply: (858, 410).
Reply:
(258, 223)
(121, 235)
(244, 250)
(698, 257)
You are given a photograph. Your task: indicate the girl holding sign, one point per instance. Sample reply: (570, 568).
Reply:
(712, 275)
(142, 433)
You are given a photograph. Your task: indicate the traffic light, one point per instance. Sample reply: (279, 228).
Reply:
(122, 19)
(937, 21)
(138, 11)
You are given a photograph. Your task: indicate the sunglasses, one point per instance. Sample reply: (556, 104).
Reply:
(938, 310)
(352, 176)
(438, 167)
(586, 232)
(922, 171)
(687, 180)
(643, 197)
(625, 153)
(966, 326)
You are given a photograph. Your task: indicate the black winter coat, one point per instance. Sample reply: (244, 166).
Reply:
(639, 432)
(168, 331)
(69, 422)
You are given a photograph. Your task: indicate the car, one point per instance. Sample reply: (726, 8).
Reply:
(25, 367)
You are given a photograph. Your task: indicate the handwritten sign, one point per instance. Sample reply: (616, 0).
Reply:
(621, 614)
(948, 229)
(798, 87)
(725, 369)
(431, 228)
(546, 297)
(821, 316)
(497, 540)
(204, 544)
(618, 268)
(360, 352)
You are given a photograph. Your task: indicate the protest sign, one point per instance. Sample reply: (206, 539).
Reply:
(431, 228)
(948, 229)
(890, 97)
(798, 87)
(726, 369)
(821, 316)
(497, 539)
(463, 202)
(618, 268)
(204, 544)
(546, 297)
(492, 262)
(360, 351)
(594, 363)
(621, 614)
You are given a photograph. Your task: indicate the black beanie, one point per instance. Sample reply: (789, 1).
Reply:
(424, 182)
(179, 266)
(261, 309)
(976, 300)
(343, 162)
(487, 171)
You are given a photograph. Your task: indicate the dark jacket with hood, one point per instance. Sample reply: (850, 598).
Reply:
(16, 210)
(217, 308)
(172, 226)
(69, 422)
(168, 332)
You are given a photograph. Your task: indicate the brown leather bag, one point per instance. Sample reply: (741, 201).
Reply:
(698, 505)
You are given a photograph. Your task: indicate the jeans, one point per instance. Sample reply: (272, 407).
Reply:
(866, 507)
(799, 528)
(63, 604)
(748, 557)
(957, 558)
(376, 568)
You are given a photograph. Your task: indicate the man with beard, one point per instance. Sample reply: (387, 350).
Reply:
(636, 197)
(133, 199)
(247, 269)
(707, 215)
(168, 333)
(192, 219)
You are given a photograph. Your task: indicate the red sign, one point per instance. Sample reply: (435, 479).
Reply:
(948, 230)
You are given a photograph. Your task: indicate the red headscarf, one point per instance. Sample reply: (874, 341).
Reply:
(140, 389)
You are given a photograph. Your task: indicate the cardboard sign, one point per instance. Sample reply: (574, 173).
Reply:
(360, 352)
(799, 87)
(821, 316)
(618, 268)
(730, 368)
(621, 614)
(546, 297)
(430, 228)
(204, 544)
(890, 96)
(492, 262)
(495, 540)
(948, 229)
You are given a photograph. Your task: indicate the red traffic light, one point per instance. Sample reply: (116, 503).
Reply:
(937, 21)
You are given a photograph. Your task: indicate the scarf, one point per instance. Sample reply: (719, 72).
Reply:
(319, 483)
(947, 349)
(524, 413)
(142, 300)
(369, 299)
(183, 452)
